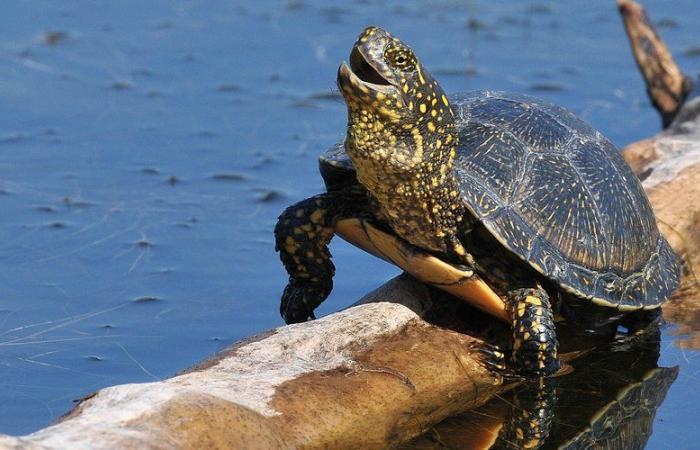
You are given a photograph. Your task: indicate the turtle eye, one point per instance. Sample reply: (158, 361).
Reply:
(400, 57)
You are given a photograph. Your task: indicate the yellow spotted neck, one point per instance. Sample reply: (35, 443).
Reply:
(411, 180)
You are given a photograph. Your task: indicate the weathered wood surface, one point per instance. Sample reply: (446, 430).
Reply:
(371, 376)
(667, 85)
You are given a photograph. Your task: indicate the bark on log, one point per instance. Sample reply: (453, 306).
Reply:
(366, 377)
(667, 86)
(371, 376)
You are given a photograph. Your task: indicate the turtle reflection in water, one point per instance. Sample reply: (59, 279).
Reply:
(608, 402)
(536, 210)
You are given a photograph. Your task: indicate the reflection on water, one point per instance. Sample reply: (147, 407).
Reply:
(147, 148)
(684, 311)
(608, 401)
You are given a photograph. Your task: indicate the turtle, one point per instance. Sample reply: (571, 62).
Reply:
(512, 202)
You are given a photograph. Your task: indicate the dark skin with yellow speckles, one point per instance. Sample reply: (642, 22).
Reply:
(516, 191)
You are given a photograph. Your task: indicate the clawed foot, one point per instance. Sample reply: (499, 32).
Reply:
(493, 357)
(299, 300)
(497, 361)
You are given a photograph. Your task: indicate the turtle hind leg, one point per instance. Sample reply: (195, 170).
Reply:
(535, 345)
(302, 234)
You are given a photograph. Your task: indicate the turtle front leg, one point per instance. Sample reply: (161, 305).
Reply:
(535, 346)
(302, 235)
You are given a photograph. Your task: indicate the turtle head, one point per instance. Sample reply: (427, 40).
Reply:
(398, 115)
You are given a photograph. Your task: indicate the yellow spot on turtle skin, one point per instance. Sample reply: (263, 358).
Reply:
(419, 95)
(405, 88)
(438, 143)
(420, 76)
(431, 127)
(423, 108)
(526, 336)
(521, 310)
(317, 215)
(444, 100)
(533, 300)
(380, 96)
(459, 249)
(433, 102)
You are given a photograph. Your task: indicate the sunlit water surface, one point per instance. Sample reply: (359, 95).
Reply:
(146, 149)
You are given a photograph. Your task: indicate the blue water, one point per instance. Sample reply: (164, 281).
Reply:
(146, 149)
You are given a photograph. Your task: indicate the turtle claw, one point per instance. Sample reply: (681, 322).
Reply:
(299, 300)
(495, 360)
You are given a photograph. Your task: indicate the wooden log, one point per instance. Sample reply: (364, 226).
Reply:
(667, 86)
(365, 377)
(371, 376)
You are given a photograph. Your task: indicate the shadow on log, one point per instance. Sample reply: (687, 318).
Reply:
(386, 370)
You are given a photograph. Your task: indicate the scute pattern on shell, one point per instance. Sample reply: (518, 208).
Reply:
(558, 194)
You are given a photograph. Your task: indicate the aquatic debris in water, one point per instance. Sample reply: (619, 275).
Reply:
(547, 87)
(326, 95)
(228, 87)
(143, 243)
(120, 85)
(12, 138)
(228, 176)
(666, 23)
(54, 37)
(71, 203)
(692, 51)
(475, 24)
(57, 225)
(268, 195)
(147, 299)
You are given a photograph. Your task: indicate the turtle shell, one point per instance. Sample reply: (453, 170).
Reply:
(558, 194)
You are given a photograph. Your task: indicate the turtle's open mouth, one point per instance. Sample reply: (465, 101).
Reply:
(360, 76)
(364, 70)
